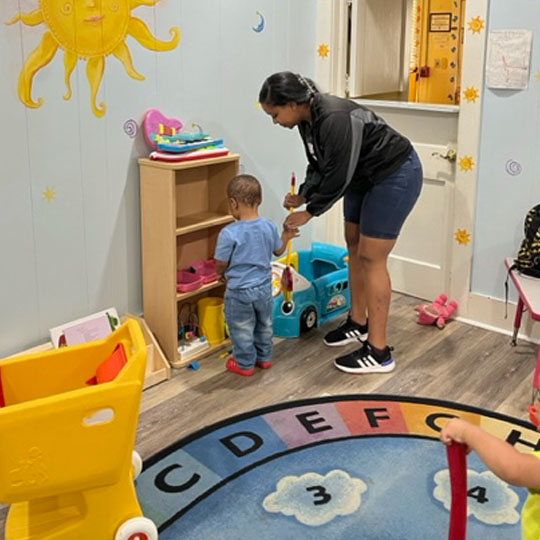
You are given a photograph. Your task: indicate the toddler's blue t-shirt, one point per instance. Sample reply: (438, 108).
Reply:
(248, 246)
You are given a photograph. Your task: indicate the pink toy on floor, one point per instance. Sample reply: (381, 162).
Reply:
(437, 312)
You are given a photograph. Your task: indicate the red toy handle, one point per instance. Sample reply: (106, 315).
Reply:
(457, 464)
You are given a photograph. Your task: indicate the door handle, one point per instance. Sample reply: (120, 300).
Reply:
(451, 155)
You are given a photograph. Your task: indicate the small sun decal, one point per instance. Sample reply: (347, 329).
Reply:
(462, 236)
(471, 94)
(476, 25)
(323, 50)
(49, 194)
(466, 163)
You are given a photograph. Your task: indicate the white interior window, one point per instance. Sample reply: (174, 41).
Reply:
(400, 50)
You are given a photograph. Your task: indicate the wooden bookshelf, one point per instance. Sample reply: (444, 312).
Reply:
(183, 208)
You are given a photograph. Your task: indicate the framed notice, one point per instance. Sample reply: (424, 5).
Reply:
(509, 59)
(440, 22)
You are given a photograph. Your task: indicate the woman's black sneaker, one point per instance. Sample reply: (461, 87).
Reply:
(348, 332)
(366, 360)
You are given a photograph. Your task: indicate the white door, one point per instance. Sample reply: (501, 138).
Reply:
(420, 262)
(419, 265)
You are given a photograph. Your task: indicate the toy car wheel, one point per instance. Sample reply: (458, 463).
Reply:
(139, 528)
(308, 319)
(136, 463)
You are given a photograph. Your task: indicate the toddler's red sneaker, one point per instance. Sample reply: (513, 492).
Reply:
(232, 365)
(265, 365)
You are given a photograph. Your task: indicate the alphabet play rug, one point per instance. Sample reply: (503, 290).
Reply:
(366, 467)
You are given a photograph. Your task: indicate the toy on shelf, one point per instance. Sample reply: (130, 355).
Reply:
(187, 281)
(190, 136)
(170, 143)
(191, 340)
(320, 282)
(69, 468)
(438, 312)
(203, 153)
(156, 125)
(205, 269)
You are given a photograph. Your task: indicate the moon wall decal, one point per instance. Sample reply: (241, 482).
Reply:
(260, 27)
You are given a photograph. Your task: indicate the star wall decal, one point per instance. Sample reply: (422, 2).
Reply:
(49, 194)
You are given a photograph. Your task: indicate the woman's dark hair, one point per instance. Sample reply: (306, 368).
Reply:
(245, 189)
(286, 87)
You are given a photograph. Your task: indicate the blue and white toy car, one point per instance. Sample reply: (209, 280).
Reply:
(320, 289)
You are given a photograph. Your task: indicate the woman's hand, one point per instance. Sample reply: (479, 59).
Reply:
(293, 201)
(297, 219)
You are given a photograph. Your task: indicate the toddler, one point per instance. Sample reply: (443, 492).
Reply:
(512, 466)
(243, 255)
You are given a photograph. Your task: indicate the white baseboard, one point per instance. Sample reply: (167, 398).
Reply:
(489, 313)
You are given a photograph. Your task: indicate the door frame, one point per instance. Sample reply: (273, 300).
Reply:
(329, 73)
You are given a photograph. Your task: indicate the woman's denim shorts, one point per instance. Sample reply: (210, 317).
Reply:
(381, 210)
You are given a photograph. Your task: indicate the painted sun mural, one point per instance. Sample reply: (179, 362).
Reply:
(89, 30)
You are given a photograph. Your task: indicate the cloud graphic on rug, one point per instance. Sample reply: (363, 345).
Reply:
(314, 499)
(490, 500)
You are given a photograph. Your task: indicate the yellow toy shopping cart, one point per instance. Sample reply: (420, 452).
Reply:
(68, 420)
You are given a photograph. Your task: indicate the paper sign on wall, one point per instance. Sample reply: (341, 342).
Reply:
(509, 59)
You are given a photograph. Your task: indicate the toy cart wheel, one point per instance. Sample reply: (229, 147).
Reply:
(308, 319)
(139, 528)
(136, 463)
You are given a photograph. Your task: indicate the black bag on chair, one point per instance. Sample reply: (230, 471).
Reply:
(528, 259)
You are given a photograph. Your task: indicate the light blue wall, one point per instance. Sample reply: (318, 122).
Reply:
(80, 252)
(510, 132)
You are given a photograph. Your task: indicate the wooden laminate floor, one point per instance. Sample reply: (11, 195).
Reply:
(460, 363)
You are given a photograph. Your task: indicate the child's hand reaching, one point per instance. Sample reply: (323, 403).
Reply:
(289, 233)
(454, 431)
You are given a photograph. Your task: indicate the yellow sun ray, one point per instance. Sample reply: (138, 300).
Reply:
(142, 34)
(122, 53)
(37, 59)
(30, 19)
(89, 30)
(94, 71)
(135, 3)
(70, 61)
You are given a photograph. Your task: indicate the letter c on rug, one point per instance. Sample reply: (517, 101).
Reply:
(257, 442)
(161, 480)
(431, 420)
